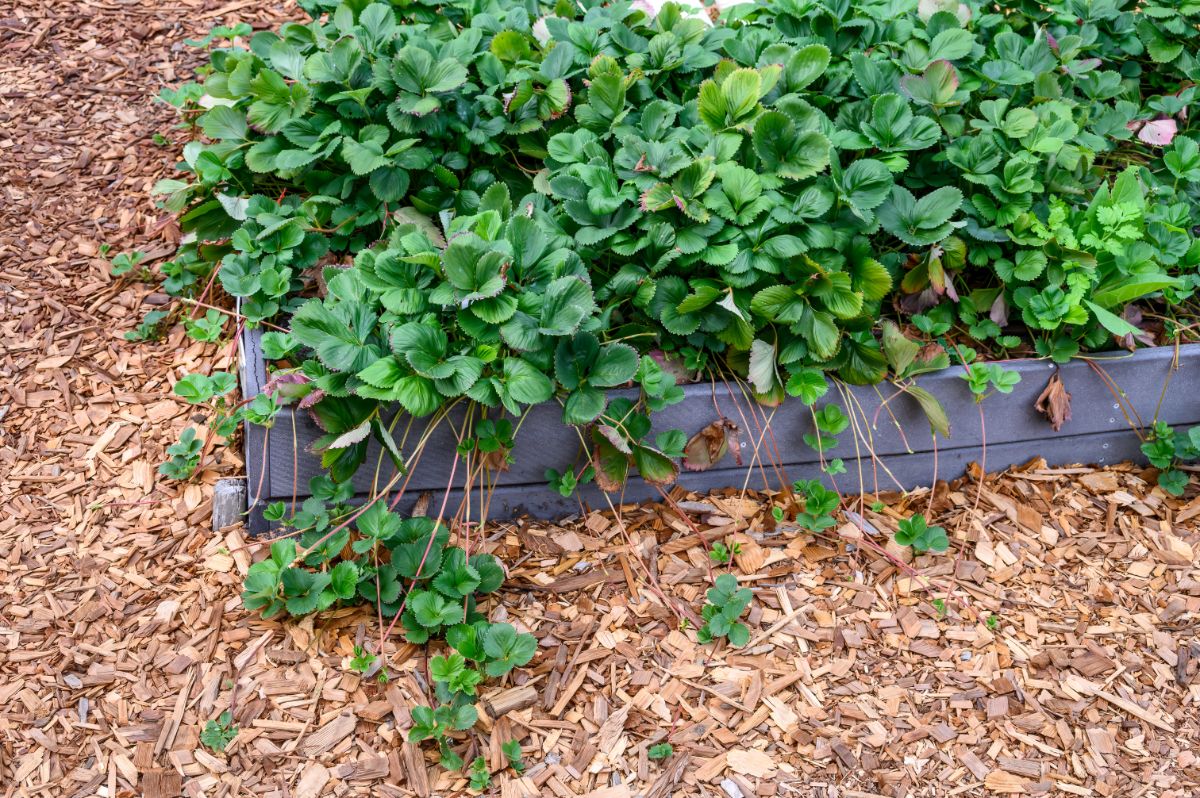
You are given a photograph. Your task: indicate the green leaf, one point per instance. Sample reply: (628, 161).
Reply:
(343, 579)
(762, 373)
(224, 122)
(491, 574)
(567, 303)
(339, 337)
(432, 610)
(951, 44)
(1133, 287)
(1110, 321)
(615, 365)
(654, 466)
(865, 184)
(805, 66)
(738, 635)
(900, 351)
(936, 86)
(525, 383)
(939, 422)
(808, 385)
(363, 158)
(920, 222)
(785, 150)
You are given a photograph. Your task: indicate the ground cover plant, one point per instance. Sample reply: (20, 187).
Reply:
(485, 206)
(560, 191)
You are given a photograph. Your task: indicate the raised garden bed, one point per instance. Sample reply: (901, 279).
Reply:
(1158, 384)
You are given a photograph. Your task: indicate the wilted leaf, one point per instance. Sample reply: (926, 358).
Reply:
(1159, 132)
(1055, 402)
(708, 446)
(939, 422)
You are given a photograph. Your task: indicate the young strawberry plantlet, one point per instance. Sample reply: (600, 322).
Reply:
(362, 661)
(1166, 449)
(722, 554)
(725, 605)
(916, 533)
(819, 505)
(150, 327)
(660, 751)
(126, 262)
(206, 329)
(480, 776)
(512, 752)
(567, 483)
(185, 456)
(219, 733)
(985, 378)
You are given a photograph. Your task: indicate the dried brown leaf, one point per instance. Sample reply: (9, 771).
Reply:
(706, 448)
(1055, 402)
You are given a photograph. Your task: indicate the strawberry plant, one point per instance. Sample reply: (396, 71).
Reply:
(720, 554)
(219, 732)
(725, 605)
(505, 206)
(1166, 449)
(916, 533)
(660, 751)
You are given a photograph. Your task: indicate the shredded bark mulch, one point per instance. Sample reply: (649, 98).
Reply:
(1052, 651)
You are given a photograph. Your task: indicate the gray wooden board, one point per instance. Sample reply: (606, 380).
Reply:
(903, 472)
(280, 461)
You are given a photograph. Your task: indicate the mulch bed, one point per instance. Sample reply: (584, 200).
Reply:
(1062, 659)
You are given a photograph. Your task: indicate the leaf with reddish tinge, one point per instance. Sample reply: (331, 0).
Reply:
(1159, 132)
(1055, 403)
(610, 464)
(614, 437)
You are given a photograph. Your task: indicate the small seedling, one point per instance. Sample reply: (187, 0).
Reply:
(512, 752)
(660, 751)
(878, 507)
(567, 483)
(777, 513)
(1166, 449)
(220, 732)
(149, 328)
(830, 421)
(206, 329)
(362, 660)
(916, 533)
(185, 456)
(126, 262)
(479, 774)
(940, 606)
(722, 554)
(819, 504)
(726, 603)
(992, 622)
(982, 376)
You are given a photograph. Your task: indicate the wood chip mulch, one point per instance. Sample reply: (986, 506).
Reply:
(1052, 652)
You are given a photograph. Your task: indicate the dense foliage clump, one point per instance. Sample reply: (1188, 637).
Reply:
(532, 196)
(501, 204)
